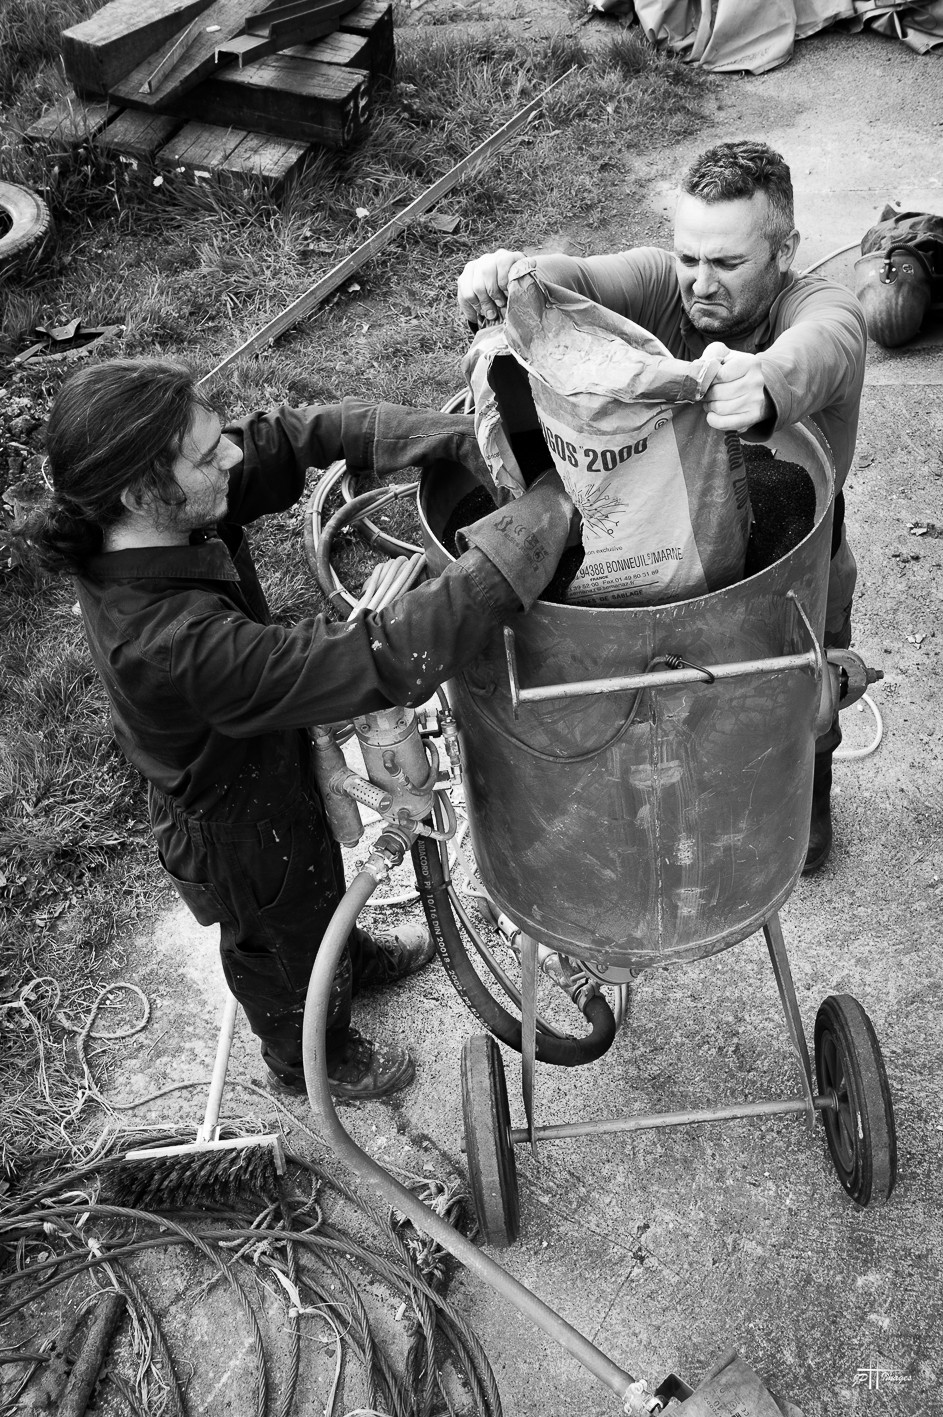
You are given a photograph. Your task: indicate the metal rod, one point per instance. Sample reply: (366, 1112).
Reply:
(273, 18)
(776, 945)
(659, 679)
(173, 54)
(671, 1119)
(329, 283)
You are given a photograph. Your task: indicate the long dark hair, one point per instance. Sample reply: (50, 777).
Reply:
(112, 426)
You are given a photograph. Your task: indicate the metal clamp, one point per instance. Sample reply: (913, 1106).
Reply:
(854, 676)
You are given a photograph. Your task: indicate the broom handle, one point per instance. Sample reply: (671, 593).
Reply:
(218, 1081)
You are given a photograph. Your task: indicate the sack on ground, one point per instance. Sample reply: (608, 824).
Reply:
(663, 497)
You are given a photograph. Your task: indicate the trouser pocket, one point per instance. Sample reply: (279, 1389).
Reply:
(201, 898)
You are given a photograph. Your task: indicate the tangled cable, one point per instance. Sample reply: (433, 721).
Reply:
(316, 1272)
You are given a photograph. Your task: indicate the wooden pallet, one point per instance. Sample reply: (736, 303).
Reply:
(200, 150)
(287, 94)
(262, 118)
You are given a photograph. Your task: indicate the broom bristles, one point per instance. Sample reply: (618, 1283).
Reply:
(163, 1178)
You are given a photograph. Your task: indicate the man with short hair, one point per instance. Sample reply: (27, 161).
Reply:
(793, 346)
(212, 702)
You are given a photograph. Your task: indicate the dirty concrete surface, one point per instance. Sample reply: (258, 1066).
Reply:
(667, 1248)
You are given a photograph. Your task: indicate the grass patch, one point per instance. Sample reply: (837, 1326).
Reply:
(191, 272)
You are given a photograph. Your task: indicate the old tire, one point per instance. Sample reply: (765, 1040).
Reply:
(492, 1170)
(860, 1130)
(24, 223)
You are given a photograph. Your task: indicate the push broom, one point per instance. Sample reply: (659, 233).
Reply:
(211, 1166)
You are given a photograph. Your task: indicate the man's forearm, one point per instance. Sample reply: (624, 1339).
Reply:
(388, 436)
(377, 437)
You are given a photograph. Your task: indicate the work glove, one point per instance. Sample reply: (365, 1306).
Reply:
(390, 436)
(526, 538)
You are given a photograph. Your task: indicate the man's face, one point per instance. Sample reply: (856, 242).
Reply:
(202, 472)
(727, 277)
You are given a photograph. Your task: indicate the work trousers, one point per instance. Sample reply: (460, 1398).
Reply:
(272, 887)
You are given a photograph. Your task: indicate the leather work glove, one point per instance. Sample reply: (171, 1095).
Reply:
(525, 539)
(390, 436)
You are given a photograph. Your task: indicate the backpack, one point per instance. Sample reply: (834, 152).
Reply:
(899, 275)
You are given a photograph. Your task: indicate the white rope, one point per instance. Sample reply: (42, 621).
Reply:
(847, 753)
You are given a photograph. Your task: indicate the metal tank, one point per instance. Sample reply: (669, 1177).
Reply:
(631, 827)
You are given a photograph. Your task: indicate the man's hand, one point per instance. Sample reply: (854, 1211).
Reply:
(737, 399)
(483, 284)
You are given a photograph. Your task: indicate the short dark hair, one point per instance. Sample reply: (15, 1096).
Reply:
(730, 171)
(114, 425)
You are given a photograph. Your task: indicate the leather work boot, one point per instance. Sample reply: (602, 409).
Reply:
(393, 955)
(820, 830)
(361, 1072)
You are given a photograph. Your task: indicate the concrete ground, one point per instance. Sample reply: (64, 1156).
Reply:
(668, 1248)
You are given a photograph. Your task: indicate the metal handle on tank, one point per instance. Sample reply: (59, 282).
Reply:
(810, 659)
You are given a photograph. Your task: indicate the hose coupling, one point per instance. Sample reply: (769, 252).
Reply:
(559, 968)
(638, 1400)
(453, 748)
(389, 851)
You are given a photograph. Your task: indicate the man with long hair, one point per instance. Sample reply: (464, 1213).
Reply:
(212, 702)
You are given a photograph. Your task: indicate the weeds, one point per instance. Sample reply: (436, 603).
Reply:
(192, 271)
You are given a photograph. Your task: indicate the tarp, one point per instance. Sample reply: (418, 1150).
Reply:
(737, 36)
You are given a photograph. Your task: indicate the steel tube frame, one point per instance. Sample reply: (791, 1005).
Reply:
(654, 1120)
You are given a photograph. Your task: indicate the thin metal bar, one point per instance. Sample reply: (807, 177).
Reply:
(335, 277)
(776, 945)
(663, 678)
(529, 1031)
(656, 1120)
(173, 54)
(301, 15)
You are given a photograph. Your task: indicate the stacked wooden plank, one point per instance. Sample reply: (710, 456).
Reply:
(221, 87)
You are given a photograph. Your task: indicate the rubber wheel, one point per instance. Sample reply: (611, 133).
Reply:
(27, 221)
(492, 1170)
(861, 1134)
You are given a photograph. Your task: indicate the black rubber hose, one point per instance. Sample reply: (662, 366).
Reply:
(566, 1052)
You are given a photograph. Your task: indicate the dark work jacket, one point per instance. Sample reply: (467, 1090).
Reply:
(209, 699)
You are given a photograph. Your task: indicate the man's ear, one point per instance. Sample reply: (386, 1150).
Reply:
(787, 251)
(134, 500)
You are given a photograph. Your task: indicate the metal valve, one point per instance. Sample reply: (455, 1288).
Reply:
(398, 762)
